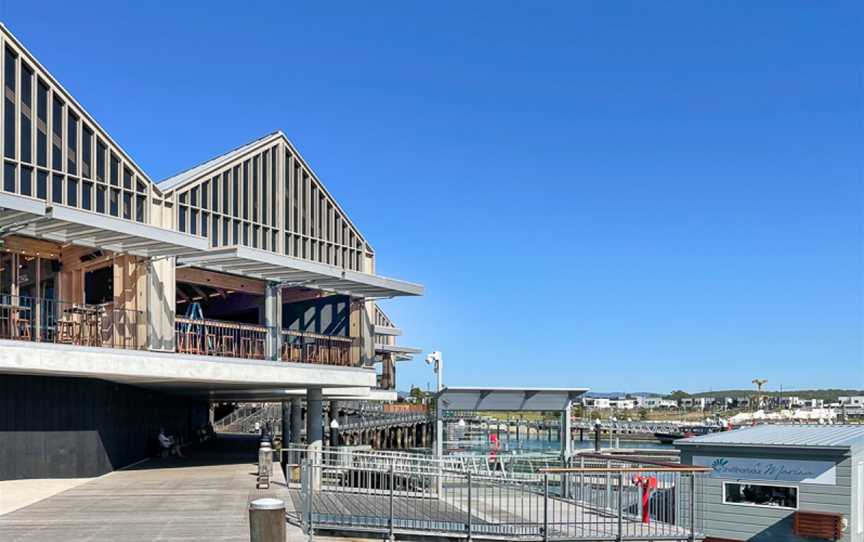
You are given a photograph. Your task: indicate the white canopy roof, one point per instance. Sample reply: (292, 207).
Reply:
(512, 399)
(252, 262)
(35, 218)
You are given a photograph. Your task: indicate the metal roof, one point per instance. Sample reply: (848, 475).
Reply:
(784, 436)
(251, 262)
(508, 399)
(34, 218)
(397, 349)
(193, 173)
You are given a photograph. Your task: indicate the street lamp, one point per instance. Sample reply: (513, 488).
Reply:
(334, 433)
(434, 359)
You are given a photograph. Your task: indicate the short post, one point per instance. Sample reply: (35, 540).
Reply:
(546, 504)
(620, 505)
(391, 523)
(265, 464)
(469, 505)
(267, 520)
(597, 437)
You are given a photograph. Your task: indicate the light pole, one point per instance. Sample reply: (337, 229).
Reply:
(434, 359)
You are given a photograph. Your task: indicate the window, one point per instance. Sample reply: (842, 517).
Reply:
(760, 495)
(127, 205)
(193, 222)
(214, 204)
(100, 161)
(87, 195)
(26, 113)
(42, 184)
(9, 105)
(9, 177)
(57, 134)
(115, 170)
(72, 144)
(205, 200)
(181, 218)
(235, 194)
(127, 179)
(100, 198)
(72, 192)
(26, 181)
(140, 204)
(114, 202)
(57, 188)
(42, 124)
(244, 197)
(86, 151)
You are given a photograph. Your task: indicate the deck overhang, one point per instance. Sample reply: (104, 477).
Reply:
(34, 218)
(200, 376)
(290, 271)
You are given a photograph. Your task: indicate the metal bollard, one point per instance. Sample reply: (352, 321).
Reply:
(267, 520)
(265, 464)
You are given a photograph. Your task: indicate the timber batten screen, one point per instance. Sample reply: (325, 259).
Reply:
(54, 151)
(263, 195)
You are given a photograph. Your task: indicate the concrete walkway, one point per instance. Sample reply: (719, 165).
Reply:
(204, 497)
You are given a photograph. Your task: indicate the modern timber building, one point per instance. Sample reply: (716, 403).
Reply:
(127, 304)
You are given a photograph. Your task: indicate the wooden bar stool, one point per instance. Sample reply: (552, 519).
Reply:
(227, 346)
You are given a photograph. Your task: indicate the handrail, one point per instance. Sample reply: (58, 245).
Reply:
(221, 324)
(683, 468)
(335, 338)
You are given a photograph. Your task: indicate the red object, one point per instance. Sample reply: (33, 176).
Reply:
(647, 483)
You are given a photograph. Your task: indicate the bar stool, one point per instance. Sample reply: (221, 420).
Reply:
(67, 330)
(22, 330)
(227, 346)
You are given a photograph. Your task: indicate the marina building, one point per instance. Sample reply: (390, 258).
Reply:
(128, 304)
(781, 483)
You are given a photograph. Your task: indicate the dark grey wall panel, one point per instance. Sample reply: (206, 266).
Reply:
(52, 427)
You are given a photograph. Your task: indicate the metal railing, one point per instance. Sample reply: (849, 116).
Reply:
(604, 500)
(304, 347)
(38, 319)
(220, 338)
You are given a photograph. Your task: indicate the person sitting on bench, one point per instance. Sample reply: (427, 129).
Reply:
(169, 444)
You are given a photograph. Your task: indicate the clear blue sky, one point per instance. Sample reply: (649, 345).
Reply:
(624, 196)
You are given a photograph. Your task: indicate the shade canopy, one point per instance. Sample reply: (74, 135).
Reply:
(34, 218)
(256, 263)
(508, 399)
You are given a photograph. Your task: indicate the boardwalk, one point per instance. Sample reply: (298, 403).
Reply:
(204, 497)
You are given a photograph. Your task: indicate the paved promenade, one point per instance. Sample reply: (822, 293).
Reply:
(204, 497)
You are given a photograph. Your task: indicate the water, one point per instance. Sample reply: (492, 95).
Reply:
(479, 444)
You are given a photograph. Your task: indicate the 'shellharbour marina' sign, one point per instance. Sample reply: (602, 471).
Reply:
(768, 469)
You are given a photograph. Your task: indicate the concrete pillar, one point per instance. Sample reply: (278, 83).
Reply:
(273, 321)
(332, 414)
(295, 427)
(314, 418)
(286, 430)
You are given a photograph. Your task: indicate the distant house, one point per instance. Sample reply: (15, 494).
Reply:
(853, 400)
(695, 402)
(623, 404)
(596, 402)
(659, 402)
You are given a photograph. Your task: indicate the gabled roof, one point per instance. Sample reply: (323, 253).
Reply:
(196, 172)
(204, 169)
